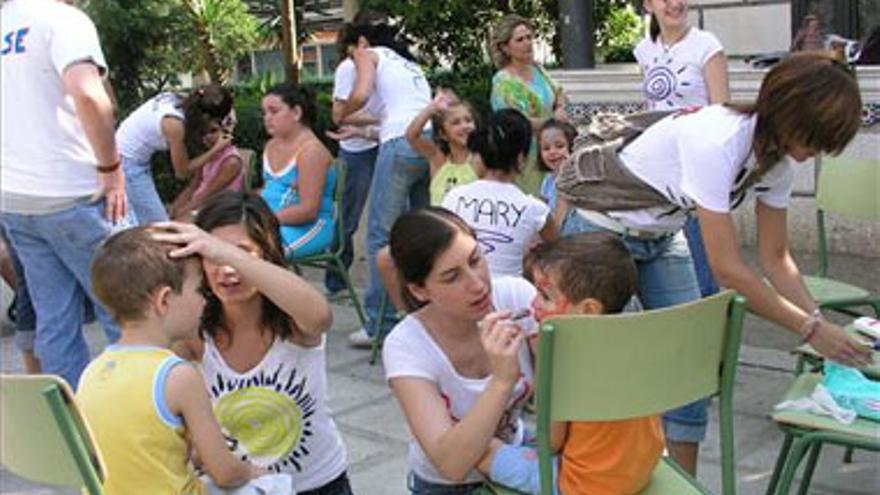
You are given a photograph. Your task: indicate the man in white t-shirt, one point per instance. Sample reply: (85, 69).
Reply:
(62, 186)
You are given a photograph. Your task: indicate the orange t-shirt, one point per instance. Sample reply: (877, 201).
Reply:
(610, 457)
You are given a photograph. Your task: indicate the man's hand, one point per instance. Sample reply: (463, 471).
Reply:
(113, 190)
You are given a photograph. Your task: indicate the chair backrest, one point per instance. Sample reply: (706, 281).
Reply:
(247, 160)
(849, 186)
(599, 368)
(44, 437)
(610, 367)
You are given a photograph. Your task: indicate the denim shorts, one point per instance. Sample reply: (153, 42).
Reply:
(666, 278)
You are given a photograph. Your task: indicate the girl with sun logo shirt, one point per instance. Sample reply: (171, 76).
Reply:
(262, 351)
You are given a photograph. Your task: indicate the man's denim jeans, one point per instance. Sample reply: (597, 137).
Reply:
(56, 251)
(400, 183)
(358, 175)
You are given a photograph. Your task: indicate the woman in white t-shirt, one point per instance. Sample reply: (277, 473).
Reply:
(683, 66)
(505, 219)
(707, 160)
(169, 121)
(461, 384)
(386, 70)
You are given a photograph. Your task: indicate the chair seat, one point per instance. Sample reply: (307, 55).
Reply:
(667, 479)
(829, 291)
(802, 387)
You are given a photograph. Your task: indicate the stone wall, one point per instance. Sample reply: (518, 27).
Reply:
(618, 88)
(745, 27)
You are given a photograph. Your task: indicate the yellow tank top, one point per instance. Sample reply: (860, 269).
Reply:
(449, 176)
(122, 396)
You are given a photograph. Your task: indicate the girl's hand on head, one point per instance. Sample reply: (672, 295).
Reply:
(832, 342)
(192, 241)
(501, 340)
(444, 99)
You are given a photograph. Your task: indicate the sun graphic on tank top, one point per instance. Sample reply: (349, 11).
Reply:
(266, 417)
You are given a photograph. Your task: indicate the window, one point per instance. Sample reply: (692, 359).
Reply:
(848, 18)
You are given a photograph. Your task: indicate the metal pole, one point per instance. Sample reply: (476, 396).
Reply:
(576, 30)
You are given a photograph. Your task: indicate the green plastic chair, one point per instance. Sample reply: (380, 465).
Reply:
(332, 259)
(847, 187)
(805, 433)
(45, 438)
(602, 368)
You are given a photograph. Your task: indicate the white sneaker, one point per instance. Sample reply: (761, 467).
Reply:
(360, 339)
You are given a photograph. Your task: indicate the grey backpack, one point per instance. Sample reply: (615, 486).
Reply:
(594, 177)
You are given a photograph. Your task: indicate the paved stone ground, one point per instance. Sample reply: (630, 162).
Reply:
(375, 433)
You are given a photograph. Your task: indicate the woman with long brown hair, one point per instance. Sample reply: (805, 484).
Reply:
(705, 162)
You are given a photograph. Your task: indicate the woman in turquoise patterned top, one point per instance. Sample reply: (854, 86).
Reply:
(523, 85)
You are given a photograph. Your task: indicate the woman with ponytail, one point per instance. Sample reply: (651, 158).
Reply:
(169, 121)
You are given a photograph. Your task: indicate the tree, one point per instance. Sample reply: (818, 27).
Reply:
(224, 31)
(148, 43)
(455, 31)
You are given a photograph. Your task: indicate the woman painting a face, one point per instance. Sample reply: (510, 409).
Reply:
(456, 364)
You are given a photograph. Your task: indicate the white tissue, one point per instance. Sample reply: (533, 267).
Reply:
(820, 402)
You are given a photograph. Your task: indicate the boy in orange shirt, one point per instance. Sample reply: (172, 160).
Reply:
(586, 273)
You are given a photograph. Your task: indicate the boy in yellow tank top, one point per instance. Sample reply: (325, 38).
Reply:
(145, 405)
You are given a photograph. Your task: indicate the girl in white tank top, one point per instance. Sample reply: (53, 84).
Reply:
(263, 351)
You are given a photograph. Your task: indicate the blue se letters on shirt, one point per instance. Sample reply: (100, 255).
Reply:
(13, 41)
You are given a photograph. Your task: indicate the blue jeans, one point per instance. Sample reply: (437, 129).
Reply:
(143, 198)
(400, 182)
(358, 175)
(25, 317)
(666, 278)
(56, 252)
(708, 286)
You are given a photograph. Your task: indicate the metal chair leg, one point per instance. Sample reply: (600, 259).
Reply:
(352, 294)
(796, 455)
(812, 460)
(378, 334)
(780, 462)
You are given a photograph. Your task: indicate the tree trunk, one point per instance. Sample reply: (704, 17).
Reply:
(209, 54)
(289, 41)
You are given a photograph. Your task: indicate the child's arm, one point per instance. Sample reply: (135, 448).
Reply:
(174, 132)
(186, 396)
(560, 211)
(179, 208)
(550, 231)
(229, 170)
(365, 63)
(304, 304)
(426, 147)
